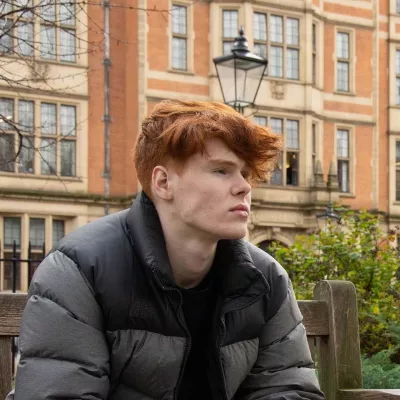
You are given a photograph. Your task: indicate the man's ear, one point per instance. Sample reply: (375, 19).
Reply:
(162, 186)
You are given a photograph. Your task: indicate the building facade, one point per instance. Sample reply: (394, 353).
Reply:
(332, 89)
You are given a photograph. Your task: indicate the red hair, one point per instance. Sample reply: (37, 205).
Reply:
(176, 130)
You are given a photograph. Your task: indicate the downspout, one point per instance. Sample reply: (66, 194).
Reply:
(106, 116)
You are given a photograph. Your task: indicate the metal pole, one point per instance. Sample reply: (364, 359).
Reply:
(106, 116)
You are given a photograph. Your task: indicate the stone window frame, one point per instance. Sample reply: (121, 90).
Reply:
(350, 60)
(34, 137)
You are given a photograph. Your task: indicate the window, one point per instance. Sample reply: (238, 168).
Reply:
(12, 236)
(179, 37)
(54, 144)
(287, 169)
(314, 54)
(230, 28)
(55, 21)
(398, 77)
(343, 159)
(398, 171)
(398, 6)
(16, 28)
(343, 61)
(277, 38)
(35, 228)
(314, 147)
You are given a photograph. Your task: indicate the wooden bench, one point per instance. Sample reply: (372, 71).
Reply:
(330, 319)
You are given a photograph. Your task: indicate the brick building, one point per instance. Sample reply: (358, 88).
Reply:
(332, 89)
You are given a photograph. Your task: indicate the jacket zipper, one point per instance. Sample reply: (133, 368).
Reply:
(183, 325)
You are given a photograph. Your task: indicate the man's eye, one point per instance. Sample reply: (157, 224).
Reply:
(220, 171)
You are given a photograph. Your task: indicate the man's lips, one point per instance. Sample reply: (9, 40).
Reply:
(241, 208)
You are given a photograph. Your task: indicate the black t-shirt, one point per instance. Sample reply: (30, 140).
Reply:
(198, 308)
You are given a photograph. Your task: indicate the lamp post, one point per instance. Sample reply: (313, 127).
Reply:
(240, 74)
(329, 214)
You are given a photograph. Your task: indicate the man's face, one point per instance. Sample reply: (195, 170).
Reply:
(211, 194)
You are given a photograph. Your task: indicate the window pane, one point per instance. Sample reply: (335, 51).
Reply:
(67, 12)
(292, 134)
(9, 272)
(398, 62)
(25, 7)
(68, 120)
(276, 125)
(276, 29)
(314, 37)
(25, 39)
(260, 26)
(343, 76)
(260, 50)
(48, 11)
(25, 116)
(179, 20)
(6, 113)
(67, 45)
(398, 185)
(7, 153)
(48, 153)
(342, 143)
(398, 155)
(48, 42)
(12, 231)
(6, 40)
(342, 45)
(68, 158)
(292, 168)
(398, 91)
(398, 6)
(48, 119)
(58, 230)
(343, 175)
(227, 48)
(314, 69)
(292, 31)
(277, 176)
(230, 23)
(179, 53)
(314, 138)
(276, 62)
(260, 120)
(26, 156)
(5, 6)
(292, 64)
(36, 232)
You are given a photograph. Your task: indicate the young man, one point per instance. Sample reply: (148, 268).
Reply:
(166, 300)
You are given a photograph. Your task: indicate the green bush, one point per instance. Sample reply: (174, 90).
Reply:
(358, 250)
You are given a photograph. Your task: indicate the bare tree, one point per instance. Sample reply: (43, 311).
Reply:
(38, 37)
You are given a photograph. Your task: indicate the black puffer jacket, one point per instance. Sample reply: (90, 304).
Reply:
(104, 321)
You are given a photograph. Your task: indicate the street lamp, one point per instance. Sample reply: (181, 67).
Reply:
(240, 74)
(329, 214)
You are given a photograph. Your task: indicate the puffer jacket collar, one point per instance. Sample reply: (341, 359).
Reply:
(235, 266)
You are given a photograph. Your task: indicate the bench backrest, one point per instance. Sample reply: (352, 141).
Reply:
(331, 323)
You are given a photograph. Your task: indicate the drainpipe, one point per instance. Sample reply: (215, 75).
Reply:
(106, 117)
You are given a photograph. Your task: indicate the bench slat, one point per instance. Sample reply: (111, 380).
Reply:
(369, 394)
(315, 315)
(11, 307)
(5, 366)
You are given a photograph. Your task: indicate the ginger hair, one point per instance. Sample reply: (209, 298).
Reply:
(176, 130)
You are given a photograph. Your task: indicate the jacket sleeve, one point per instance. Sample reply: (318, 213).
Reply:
(64, 353)
(284, 369)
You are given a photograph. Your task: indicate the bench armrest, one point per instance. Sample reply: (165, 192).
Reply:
(369, 394)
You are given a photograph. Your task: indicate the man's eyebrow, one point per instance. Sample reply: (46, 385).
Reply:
(222, 161)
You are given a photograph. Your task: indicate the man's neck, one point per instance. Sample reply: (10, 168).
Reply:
(190, 255)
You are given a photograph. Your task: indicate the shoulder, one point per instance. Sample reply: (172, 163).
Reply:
(96, 243)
